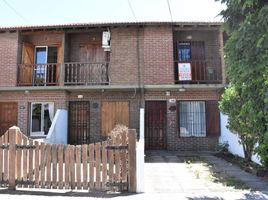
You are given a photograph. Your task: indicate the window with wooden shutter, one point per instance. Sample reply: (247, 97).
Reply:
(192, 120)
(113, 113)
(212, 118)
(26, 73)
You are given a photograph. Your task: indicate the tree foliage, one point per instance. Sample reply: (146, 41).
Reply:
(246, 51)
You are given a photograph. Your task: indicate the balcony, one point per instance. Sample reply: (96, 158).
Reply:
(86, 73)
(74, 73)
(38, 74)
(198, 72)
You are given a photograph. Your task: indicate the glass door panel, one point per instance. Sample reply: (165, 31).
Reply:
(40, 65)
(41, 118)
(36, 118)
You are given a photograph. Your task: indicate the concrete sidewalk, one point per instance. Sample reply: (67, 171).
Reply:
(196, 172)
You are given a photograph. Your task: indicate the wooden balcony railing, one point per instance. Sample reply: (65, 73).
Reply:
(202, 72)
(86, 73)
(74, 74)
(38, 74)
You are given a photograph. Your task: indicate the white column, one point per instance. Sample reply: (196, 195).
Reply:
(140, 155)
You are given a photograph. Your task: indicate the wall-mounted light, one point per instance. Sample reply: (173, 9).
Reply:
(26, 92)
(189, 37)
(167, 93)
(80, 96)
(181, 89)
(22, 107)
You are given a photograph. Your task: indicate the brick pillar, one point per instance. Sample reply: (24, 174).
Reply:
(95, 122)
(171, 124)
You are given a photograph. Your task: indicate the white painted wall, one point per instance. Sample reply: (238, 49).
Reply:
(58, 131)
(232, 139)
(140, 156)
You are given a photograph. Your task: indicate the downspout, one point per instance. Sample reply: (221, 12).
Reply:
(140, 78)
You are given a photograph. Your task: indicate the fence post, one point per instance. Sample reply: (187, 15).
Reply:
(132, 159)
(12, 132)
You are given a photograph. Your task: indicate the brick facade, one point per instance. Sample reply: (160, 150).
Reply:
(23, 99)
(124, 56)
(174, 141)
(140, 55)
(158, 55)
(96, 99)
(8, 59)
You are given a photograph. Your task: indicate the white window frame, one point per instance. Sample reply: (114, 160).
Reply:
(39, 133)
(43, 63)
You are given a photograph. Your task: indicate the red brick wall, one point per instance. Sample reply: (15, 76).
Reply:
(61, 101)
(155, 52)
(174, 141)
(96, 99)
(124, 62)
(158, 55)
(23, 100)
(155, 55)
(8, 59)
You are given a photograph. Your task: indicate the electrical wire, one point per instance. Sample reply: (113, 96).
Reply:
(170, 11)
(133, 13)
(15, 11)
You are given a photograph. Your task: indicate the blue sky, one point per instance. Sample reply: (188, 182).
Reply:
(36, 12)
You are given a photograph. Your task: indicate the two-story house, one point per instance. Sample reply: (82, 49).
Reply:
(103, 73)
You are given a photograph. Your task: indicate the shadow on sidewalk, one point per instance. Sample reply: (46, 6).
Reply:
(67, 193)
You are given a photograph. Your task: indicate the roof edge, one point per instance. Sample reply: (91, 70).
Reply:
(108, 24)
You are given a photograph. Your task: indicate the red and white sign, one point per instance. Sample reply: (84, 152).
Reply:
(185, 72)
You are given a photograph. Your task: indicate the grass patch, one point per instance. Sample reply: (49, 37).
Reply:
(237, 184)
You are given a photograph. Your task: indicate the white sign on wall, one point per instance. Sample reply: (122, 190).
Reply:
(185, 72)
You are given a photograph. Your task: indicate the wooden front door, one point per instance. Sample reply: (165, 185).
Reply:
(155, 125)
(79, 123)
(8, 116)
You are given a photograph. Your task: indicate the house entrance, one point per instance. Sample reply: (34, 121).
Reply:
(79, 122)
(155, 125)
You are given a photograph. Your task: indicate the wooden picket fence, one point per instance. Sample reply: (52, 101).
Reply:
(108, 165)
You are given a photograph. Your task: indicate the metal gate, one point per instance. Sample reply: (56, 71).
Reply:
(79, 122)
(155, 125)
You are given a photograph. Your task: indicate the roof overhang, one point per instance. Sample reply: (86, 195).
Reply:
(84, 26)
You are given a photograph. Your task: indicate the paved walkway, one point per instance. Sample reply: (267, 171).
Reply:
(196, 173)
(192, 172)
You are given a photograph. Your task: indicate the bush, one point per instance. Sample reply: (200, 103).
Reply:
(262, 150)
(223, 148)
(118, 130)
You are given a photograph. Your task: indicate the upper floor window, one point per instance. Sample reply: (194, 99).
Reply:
(184, 51)
(190, 51)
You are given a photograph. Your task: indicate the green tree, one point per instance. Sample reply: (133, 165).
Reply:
(246, 51)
